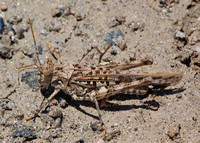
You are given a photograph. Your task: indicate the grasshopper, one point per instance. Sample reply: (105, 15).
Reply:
(93, 83)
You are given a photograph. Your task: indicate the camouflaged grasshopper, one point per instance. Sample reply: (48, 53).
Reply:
(93, 83)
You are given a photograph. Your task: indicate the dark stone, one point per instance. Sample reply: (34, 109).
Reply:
(111, 36)
(23, 131)
(1, 25)
(30, 78)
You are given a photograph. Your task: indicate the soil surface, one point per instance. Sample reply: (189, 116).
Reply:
(166, 30)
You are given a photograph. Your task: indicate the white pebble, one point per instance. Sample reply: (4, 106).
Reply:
(198, 49)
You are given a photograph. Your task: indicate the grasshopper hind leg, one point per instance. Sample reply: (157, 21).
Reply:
(100, 115)
(94, 100)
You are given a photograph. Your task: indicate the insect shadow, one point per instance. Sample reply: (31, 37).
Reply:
(148, 104)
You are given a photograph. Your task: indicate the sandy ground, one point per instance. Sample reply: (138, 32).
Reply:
(167, 30)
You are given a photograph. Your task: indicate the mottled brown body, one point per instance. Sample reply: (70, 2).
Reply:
(107, 80)
(99, 82)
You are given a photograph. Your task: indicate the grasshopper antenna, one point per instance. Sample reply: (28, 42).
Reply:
(36, 51)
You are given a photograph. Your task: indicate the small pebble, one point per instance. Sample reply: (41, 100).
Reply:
(100, 141)
(164, 10)
(107, 59)
(174, 132)
(171, 134)
(79, 141)
(128, 120)
(55, 113)
(38, 128)
(115, 125)
(194, 38)
(6, 104)
(19, 115)
(20, 33)
(176, 1)
(9, 26)
(40, 49)
(57, 123)
(114, 52)
(48, 127)
(46, 135)
(179, 35)
(197, 61)
(5, 40)
(43, 32)
(26, 27)
(62, 9)
(198, 19)
(117, 20)
(13, 39)
(179, 96)
(63, 103)
(1, 136)
(78, 32)
(55, 12)
(5, 52)
(122, 45)
(57, 141)
(60, 43)
(121, 19)
(79, 15)
(19, 140)
(67, 12)
(112, 135)
(29, 52)
(169, 11)
(135, 25)
(161, 5)
(11, 33)
(113, 22)
(15, 19)
(54, 135)
(56, 27)
(3, 7)
(75, 125)
(96, 126)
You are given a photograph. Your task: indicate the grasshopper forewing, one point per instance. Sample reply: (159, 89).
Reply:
(93, 83)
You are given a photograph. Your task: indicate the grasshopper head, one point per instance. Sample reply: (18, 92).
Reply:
(46, 69)
(45, 73)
